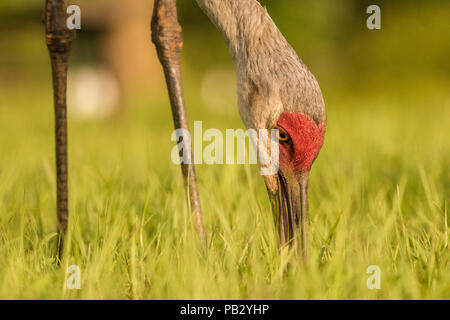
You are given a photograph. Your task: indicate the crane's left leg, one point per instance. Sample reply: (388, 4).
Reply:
(59, 42)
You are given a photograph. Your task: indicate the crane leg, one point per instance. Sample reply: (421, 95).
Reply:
(59, 42)
(168, 39)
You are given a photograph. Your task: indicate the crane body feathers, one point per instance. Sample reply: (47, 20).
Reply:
(271, 78)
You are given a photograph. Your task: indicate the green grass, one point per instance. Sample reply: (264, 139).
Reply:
(379, 195)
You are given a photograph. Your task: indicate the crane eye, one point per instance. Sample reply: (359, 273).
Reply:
(282, 135)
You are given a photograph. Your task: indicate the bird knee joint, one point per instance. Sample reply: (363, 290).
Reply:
(58, 37)
(166, 31)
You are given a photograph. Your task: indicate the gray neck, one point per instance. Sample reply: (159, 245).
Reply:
(269, 72)
(245, 24)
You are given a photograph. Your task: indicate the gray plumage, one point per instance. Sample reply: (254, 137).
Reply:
(271, 78)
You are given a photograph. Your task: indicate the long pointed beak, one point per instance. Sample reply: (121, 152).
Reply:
(293, 209)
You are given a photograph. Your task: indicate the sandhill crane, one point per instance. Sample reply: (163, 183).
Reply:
(275, 90)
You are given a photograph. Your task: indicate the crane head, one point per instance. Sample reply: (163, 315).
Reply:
(300, 140)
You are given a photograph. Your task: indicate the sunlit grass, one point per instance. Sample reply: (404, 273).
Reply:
(379, 196)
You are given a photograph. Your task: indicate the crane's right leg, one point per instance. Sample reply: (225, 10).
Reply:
(59, 42)
(168, 39)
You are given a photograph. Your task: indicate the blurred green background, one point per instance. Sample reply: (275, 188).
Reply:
(379, 189)
(407, 59)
